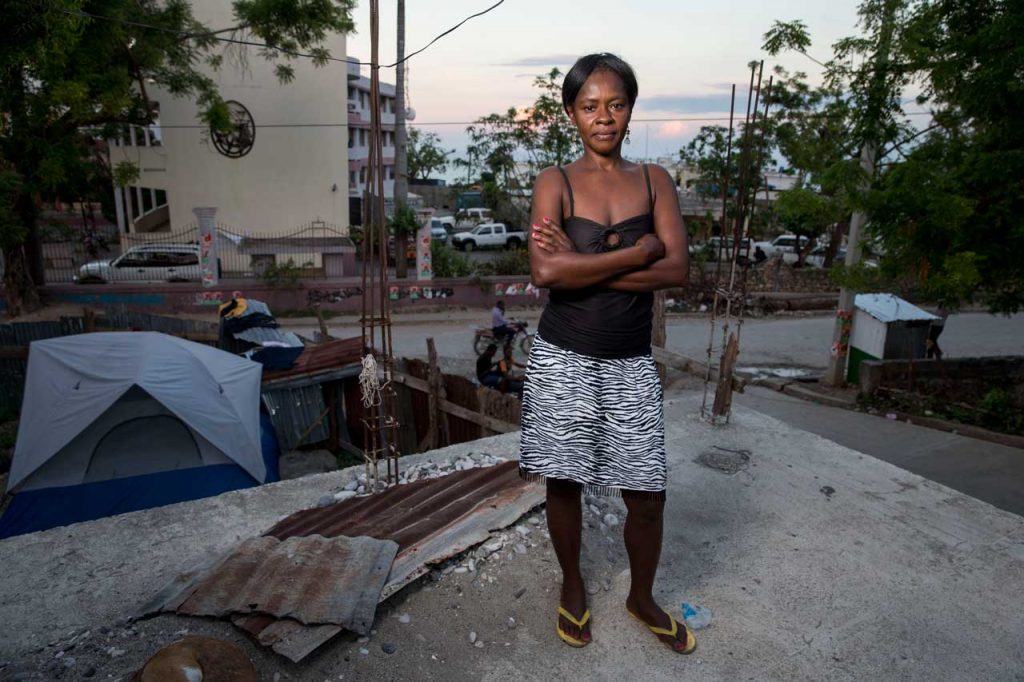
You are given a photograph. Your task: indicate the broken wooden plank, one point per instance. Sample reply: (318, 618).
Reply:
(685, 364)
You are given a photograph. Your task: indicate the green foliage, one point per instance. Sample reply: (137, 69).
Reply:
(945, 204)
(447, 262)
(404, 222)
(507, 150)
(999, 411)
(282, 275)
(425, 155)
(513, 262)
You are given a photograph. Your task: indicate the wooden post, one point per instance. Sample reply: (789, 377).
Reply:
(325, 334)
(658, 335)
(88, 320)
(723, 393)
(433, 396)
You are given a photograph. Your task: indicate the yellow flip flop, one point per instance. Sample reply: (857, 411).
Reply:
(566, 637)
(691, 641)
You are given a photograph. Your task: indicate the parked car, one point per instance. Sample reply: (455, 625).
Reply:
(445, 221)
(786, 244)
(146, 263)
(441, 227)
(468, 218)
(710, 249)
(816, 258)
(489, 236)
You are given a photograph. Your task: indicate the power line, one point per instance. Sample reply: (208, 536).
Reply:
(252, 43)
(698, 119)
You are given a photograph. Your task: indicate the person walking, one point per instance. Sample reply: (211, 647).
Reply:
(606, 234)
(932, 349)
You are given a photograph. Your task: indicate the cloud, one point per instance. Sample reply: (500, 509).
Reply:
(546, 60)
(685, 104)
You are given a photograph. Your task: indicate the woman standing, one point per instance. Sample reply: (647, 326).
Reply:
(606, 234)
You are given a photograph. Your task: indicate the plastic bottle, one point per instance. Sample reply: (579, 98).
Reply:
(696, 617)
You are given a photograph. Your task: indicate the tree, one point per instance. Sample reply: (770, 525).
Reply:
(72, 73)
(946, 204)
(426, 156)
(510, 148)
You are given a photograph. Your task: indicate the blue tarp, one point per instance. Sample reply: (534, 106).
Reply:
(35, 510)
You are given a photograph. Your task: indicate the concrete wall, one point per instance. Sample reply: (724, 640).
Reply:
(964, 379)
(340, 295)
(287, 178)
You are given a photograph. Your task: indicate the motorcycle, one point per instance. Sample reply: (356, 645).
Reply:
(483, 336)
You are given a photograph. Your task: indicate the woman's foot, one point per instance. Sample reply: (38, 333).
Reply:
(648, 611)
(574, 600)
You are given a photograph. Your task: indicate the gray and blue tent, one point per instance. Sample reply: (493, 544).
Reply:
(114, 422)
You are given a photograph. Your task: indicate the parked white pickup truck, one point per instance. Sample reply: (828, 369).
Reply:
(785, 244)
(489, 236)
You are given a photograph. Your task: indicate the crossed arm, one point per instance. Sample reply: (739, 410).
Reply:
(656, 261)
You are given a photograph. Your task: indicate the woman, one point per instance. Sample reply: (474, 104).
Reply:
(606, 233)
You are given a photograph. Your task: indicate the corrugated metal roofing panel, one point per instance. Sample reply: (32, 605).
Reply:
(293, 411)
(312, 580)
(431, 520)
(323, 356)
(890, 308)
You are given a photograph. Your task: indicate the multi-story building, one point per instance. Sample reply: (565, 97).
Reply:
(284, 164)
(360, 118)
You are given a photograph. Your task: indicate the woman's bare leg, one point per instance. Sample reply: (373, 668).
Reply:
(565, 523)
(643, 529)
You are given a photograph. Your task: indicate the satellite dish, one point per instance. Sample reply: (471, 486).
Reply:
(410, 114)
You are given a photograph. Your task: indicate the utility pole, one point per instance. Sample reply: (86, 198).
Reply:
(836, 373)
(401, 194)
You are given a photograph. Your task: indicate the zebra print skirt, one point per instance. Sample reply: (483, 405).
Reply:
(596, 421)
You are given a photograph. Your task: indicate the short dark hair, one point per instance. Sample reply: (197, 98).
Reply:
(491, 348)
(600, 61)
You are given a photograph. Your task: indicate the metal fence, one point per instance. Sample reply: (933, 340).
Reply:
(316, 250)
(21, 334)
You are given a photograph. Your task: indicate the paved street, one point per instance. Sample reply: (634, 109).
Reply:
(777, 341)
(987, 471)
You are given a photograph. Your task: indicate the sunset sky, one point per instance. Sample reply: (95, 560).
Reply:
(685, 54)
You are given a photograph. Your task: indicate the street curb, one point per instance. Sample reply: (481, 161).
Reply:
(966, 430)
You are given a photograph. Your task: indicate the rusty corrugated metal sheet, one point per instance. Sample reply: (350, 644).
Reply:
(430, 520)
(322, 356)
(314, 581)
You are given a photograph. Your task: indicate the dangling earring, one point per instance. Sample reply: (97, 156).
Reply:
(626, 138)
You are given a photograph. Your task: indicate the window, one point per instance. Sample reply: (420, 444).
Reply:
(483, 231)
(351, 138)
(179, 258)
(352, 94)
(147, 200)
(499, 229)
(389, 173)
(351, 178)
(132, 258)
(161, 197)
(362, 174)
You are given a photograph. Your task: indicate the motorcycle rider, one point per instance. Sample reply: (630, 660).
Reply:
(500, 327)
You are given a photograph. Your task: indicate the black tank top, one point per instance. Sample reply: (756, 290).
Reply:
(597, 321)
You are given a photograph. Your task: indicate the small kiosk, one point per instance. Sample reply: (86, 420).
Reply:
(885, 327)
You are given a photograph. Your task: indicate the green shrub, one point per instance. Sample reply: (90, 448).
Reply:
(447, 262)
(283, 275)
(515, 262)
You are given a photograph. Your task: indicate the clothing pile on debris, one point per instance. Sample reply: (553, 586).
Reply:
(247, 327)
(323, 570)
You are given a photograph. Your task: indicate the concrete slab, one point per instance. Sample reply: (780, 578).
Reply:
(818, 561)
(982, 469)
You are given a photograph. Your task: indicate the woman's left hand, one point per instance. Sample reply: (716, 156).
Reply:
(551, 237)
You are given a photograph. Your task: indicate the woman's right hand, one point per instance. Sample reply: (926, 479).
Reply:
(652, 248)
